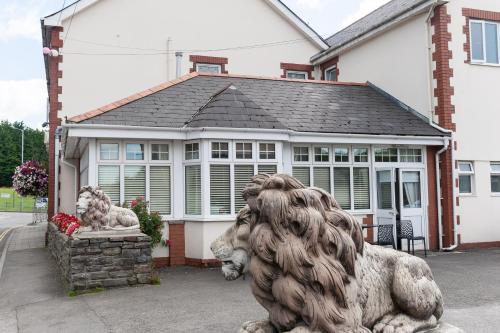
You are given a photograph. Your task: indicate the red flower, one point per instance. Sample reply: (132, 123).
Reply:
(168, 242)
(133, 203)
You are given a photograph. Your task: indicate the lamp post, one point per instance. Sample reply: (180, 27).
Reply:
(22, 155)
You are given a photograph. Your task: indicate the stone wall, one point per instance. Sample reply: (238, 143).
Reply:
(101, 260)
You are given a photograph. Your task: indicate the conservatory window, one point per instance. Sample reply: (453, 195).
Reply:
(134, 151)
(321, 154)
(301, 154)
(109, 151)
(220, 190)
(193, 190)
(267, 151)
(159, 152)
(220, 150)
(244, 151)
(341, 154)
(192, 151)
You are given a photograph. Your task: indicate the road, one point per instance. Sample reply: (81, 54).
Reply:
(8, 220)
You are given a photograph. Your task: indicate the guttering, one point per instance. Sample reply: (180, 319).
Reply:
(334, 51)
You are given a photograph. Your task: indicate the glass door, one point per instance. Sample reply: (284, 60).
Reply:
(386, 208)
(411, 205)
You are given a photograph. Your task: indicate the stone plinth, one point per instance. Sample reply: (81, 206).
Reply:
(101, 259)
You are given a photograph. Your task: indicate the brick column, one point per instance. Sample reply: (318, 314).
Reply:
(368, 219)
(177, 243)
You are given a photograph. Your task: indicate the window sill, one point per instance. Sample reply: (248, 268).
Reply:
(467, 195)
(484, 64)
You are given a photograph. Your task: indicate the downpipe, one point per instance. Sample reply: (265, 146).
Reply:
(455, 236)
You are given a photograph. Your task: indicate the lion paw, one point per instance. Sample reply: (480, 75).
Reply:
(402, 323)
(257, 326)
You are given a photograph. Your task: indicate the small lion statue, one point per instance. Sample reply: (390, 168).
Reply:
(98, 213)
(313, 272)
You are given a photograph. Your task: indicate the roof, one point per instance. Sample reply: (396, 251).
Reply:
(77, 6)
(208, 100)
(382, 15)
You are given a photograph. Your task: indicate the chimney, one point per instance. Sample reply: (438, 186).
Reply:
(178, 64)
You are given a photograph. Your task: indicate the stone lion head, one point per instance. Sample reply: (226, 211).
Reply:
(300, 248)
(93, 206)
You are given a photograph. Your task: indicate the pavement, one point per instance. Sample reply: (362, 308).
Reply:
(200, 300)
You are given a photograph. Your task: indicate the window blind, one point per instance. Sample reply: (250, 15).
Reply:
(193, 190)
(303, 174)
(135, 182)
(159, 189)
(242, 175)
(109, 181)
(361, 187)
(267, 168)
(342, 186)
(322, 178)
(220, 190)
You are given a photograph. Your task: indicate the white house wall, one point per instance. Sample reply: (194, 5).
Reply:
(477, 118)
(91, 81)
(396, 61)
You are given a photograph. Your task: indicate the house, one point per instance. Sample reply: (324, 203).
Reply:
(442, 59)
(189, 146)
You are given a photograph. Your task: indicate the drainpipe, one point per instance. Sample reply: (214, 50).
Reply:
(454, 175)
(178, 64)
(438, 191)
(56, 170)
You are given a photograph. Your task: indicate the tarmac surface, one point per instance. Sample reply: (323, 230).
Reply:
(200, 300)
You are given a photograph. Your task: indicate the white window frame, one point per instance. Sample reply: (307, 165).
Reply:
(219, 67)
(306, 74)
(150, 157)
(483, 61)
(229, 151)
(200, 149)
(145, 155)
(349, 155)
(329, 69)
(243, 160)
(313, 153)
(368, 157)
(471, 174)
(494, 173)
(120, 155)
(267, 160)
(309, 159)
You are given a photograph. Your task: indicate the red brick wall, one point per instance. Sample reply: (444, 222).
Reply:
(368, 219)
(177, 244)
(202, 263)
(444, 111)
(330, 63)
(54, 106)
(285, 66)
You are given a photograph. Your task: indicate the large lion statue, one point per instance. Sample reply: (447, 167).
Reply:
(97, 212)
(313, 272)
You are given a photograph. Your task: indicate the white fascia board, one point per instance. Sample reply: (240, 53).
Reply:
(297, 22)
(57, 18)
(162, 133)
(327, 54)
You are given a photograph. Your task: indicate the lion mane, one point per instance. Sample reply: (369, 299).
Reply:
(100, 213)
(304, 248)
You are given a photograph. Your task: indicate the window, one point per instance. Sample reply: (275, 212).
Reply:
(411, 189)
(360, 155)
(193, 190)
(301, 154)
(109, 151)
(208, 68)
(159, 189)
(220, 190)
(321, 154)
(386, 155)
(267, 168)
(303, 174)
(495, 178)
(242, 175)
(331, 74)
(465, 174)
(267, 151)
(321, 178)
(361, 188)
(296, 75)
(341, 154)
(410, 155)
(484, 42)
(108, 180)
(159, 152)
(342, 187)
(192, 151)
(134, 151)
(220, 150)
(135, 182)
(243, 151)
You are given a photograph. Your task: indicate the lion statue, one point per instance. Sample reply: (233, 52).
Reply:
(313, 272)
(98, 213)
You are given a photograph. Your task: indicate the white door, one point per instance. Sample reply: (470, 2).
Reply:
(411, 205)
(386, 205)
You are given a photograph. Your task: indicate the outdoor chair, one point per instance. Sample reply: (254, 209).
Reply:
(385, 235)
(406, 232)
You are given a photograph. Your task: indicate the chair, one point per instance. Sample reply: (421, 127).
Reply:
(385, 235)
(406, 232)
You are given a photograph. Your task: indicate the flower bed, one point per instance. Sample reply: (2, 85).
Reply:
(66, 223)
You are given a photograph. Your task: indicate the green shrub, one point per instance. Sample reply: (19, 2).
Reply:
(151, 223)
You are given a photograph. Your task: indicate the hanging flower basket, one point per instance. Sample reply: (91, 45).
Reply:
(30, 179)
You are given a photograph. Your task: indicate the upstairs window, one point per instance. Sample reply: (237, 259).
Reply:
(465, 177)
(331, 74)
(296, 75)
(208, 68)
(495, 178)
(484, 42)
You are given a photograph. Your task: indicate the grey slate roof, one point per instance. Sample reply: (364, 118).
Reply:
(231, 108)
(373, 20)
(304, 106)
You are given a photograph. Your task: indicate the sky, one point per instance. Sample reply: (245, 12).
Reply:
(23, 91)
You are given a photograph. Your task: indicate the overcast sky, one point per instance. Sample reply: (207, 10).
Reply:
(22, 78)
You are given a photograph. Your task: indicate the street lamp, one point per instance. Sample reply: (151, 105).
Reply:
(22, 142)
